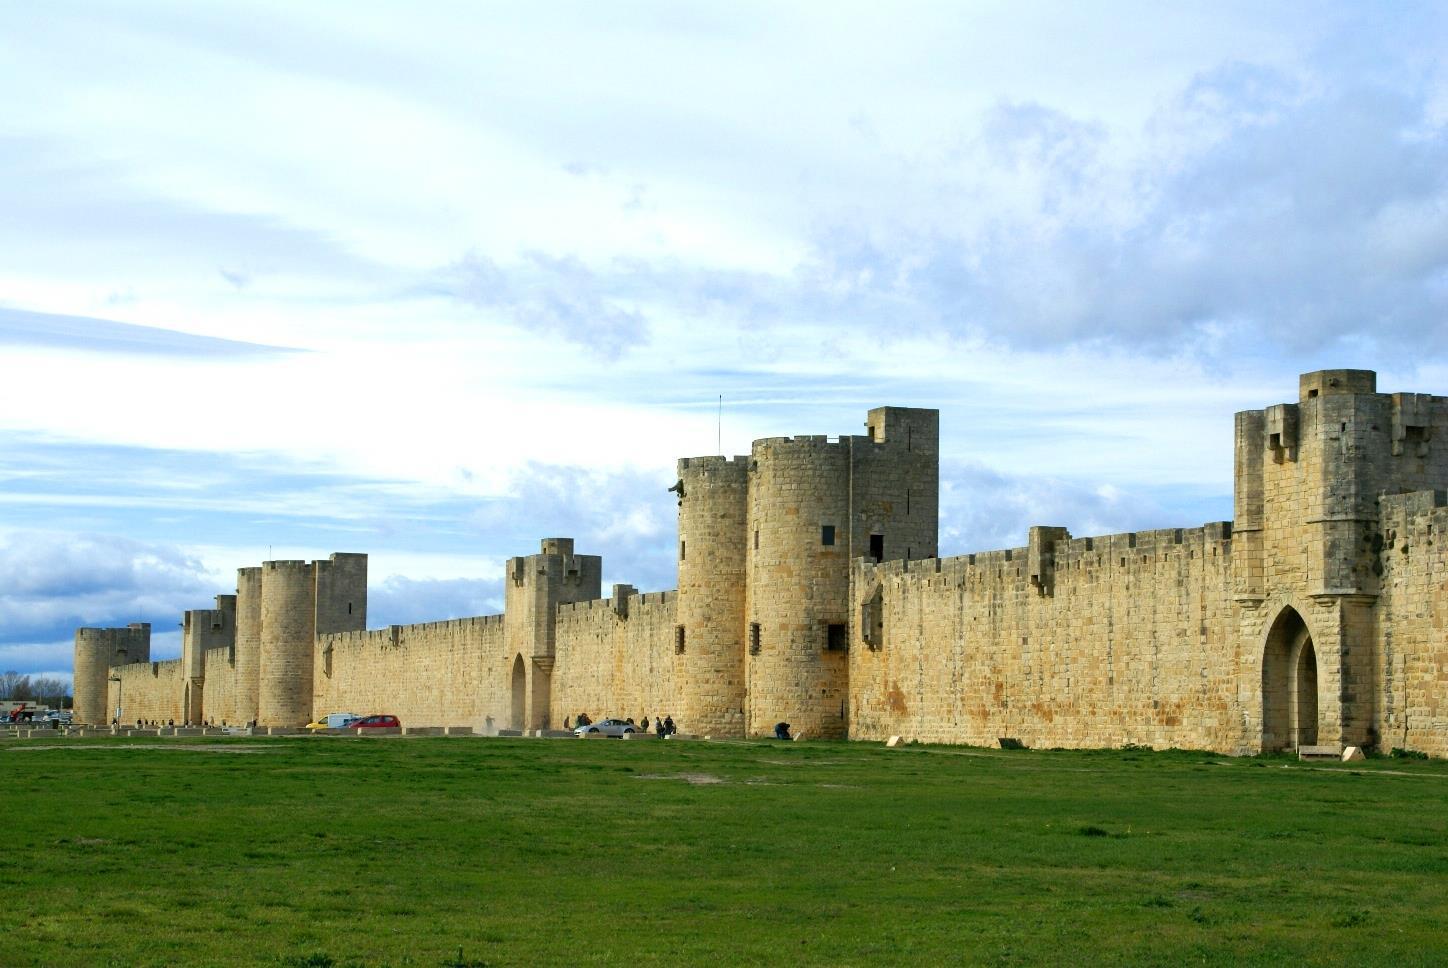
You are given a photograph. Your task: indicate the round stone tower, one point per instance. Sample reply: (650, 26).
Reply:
(709, 638)
(288, 635)
(797, 593)
(248, 642)
(94, 649)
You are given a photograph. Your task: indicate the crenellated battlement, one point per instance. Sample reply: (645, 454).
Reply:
(739, 462)
(391, 633)
(1122, 552)
(635, 600)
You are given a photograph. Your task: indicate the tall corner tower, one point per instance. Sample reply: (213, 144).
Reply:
(709, 638)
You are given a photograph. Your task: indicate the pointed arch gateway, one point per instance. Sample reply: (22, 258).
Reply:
(1289, 685)
(520, 694)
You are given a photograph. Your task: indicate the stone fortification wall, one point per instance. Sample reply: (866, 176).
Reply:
(151, 691)
(1091, 642)
(450, 673)
(96, 651)
(222, 687)
(1412, 628)
(615, 657)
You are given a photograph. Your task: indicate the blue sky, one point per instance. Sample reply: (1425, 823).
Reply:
(433, 281)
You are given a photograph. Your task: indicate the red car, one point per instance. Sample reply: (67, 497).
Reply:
(375, 722)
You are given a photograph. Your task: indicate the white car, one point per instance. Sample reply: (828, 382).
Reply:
(608, 727)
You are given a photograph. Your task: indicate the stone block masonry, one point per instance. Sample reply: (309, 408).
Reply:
(810, 592)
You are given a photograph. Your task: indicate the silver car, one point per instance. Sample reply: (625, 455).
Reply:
(607, 727)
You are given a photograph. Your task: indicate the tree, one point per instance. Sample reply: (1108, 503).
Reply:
(49, 690)
(14, 685)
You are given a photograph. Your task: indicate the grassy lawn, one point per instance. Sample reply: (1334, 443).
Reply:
(331, 851)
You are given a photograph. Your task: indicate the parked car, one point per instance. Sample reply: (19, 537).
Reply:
(608, 727)
(334, 721)
(375, 722)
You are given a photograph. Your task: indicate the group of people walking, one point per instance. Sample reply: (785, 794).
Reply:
(663, 727)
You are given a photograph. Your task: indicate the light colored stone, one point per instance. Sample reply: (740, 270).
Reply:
(1353, 753)
(1318, 616)
(893, 741)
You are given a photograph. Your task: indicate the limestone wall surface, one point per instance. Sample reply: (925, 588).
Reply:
(1412, 630)
(148, 691)
(222, 689)
(449, 673)
(618, 661)
(1130, 638)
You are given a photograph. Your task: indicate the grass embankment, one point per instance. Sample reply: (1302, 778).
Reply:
(525, 852)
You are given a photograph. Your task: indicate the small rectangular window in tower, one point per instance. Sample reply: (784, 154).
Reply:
(756, 539)
(678, 640)
(681, 551)
(753, 638)
(877, 547)
(835, 638)
(349, 608)
(827, 534)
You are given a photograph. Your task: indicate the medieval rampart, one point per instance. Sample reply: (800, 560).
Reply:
(616, 657)
(447, 673)
(149, 691)
(222, 688)
(1127, 638)
(810, 592)
(1412, 630)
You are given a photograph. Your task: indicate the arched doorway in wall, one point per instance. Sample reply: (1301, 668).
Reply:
(1289, 685)
(520, 693)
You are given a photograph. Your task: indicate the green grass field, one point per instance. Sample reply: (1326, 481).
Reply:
(327, 851)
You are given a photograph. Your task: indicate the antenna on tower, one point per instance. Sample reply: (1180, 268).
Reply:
(719, 439)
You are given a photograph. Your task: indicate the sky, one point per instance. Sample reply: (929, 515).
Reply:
(432, 281)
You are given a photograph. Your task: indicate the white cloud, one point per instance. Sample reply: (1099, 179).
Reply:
(522, 277)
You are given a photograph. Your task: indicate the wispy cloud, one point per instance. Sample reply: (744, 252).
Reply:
(86, 334)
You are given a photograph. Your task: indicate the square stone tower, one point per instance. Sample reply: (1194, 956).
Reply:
(1306, 542)
(534, 587)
